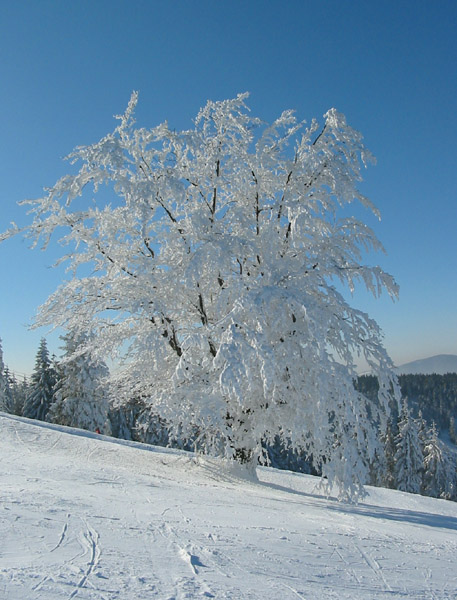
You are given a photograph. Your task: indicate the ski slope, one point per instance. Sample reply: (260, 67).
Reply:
(89, 517)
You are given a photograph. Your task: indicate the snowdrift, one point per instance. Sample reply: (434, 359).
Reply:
(90, 517)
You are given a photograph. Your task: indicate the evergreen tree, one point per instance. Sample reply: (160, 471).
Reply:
(151, 429)
(40, 395)
(452, 431)
(408, 456)
(449, 489)
(79, 399)
(281, 456)
(21, 391)
(10, 381)
(423, 431)
(3, 385)
(435, 467)
(382, 467)
(123, 418)
(14, 402)
(390, 451)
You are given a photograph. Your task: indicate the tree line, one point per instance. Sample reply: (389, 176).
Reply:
(432, 395)
(67, 392)
(413, 456)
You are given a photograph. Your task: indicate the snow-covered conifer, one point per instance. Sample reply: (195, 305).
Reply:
(151, 429)
(382, 467)
(449, 489)
(123, 417)
(423, 429)
(435, 474)
(13, 402)
(408, 457)
(14, 394)
(20, 393)
(3, 383)
(389, 453)
(213, 275)
(80, 399)
(452, 430)
(41, 390)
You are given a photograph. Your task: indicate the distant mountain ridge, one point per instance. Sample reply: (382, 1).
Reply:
(439, 364)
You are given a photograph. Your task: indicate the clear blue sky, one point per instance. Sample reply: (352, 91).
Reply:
(391, 66)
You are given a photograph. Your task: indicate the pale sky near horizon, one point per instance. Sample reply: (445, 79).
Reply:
(391, 66)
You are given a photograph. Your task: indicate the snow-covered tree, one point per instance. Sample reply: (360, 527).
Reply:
(123, 418)
(282, 457)
(15, 394)
(12, 393)
(80, 399)
(3, 383)
(41, 390)
(151, 429)
(409, 463)
(20, 393)
(389, 453)
(382, 468)
(435, 474)
(10, 385)
(213, 271)
(423, 430)
(452, 431)
(449, 489)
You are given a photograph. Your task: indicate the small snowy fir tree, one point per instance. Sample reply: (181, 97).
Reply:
(12, 403)
(449, 490)
(213, 274)
(452, 431)
(41, 390)
(389, 454)
(124, 417)
(15, 393)
(423, 429)
(435, 474)
(151, 429)
(3, 383)
(408, 457)
(80, 399)
(381, 465)
(20, 393)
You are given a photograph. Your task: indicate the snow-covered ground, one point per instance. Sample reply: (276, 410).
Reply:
(88, 517)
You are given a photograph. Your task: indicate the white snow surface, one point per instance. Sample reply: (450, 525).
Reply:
(90, 517)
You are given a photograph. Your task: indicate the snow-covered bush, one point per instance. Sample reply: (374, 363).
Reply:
(212, 272)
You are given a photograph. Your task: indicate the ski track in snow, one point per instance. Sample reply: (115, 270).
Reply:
(90, 518)
(62, 535)
(90, 543)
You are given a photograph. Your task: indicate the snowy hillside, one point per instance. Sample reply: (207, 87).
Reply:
(440, 364)
(88, 517)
